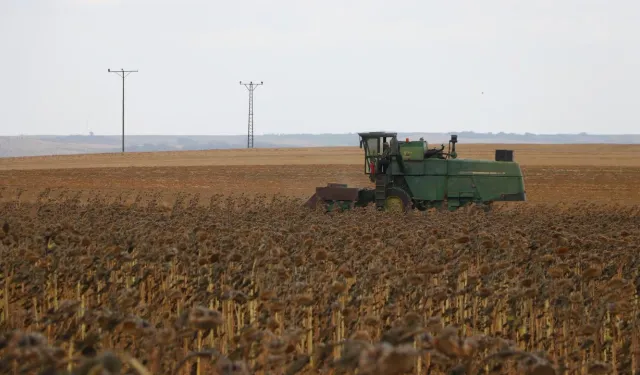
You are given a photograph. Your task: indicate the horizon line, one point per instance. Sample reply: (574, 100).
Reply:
(318, 134)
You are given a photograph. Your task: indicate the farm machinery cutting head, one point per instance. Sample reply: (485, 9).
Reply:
(408, 174)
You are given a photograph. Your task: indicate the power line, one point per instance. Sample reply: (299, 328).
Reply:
(122, 73)
(250, 86)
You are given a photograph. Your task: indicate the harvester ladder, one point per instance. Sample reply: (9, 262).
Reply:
(381, 190)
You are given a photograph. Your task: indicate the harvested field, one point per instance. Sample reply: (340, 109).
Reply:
(160, 269)
(553, 173)
(526, 154)
(543, 183)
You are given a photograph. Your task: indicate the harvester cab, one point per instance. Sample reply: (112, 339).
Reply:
(382, 148)
(379, 148)
(408, 174)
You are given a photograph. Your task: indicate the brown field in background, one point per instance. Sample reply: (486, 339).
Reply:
(526, 154)
(553, 173)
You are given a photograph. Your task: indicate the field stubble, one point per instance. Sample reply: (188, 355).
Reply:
(553, 173)
(543, 184)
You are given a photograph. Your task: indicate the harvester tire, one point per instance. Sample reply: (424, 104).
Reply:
(397, 200)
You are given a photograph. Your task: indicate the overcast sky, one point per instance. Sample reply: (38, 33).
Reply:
(537, 66)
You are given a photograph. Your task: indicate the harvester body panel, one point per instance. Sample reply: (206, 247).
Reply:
(427, 188)
(465, 180)
(490, 181)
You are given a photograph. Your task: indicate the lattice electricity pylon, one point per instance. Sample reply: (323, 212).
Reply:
(250, 86)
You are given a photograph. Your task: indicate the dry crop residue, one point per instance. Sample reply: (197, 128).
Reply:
(553, 173)
(526, 154)
(542, 183)
(259, 285)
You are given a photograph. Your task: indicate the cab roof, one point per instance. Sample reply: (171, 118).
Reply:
(378, 134)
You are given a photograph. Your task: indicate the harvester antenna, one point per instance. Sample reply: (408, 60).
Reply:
(122, 73)
(250, 86)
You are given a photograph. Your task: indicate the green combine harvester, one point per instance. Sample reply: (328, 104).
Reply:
(408, 175)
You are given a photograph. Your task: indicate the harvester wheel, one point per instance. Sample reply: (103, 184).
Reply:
(397, 200)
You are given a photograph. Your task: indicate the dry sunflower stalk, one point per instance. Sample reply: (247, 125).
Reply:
(255, 285)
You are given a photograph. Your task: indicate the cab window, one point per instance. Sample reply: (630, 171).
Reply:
(373, 146)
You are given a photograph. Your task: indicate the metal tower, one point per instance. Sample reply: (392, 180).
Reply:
(250, 86)
(122, 73)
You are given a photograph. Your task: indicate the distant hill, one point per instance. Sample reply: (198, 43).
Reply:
(38, 145)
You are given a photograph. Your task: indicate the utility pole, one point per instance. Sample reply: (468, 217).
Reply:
(122, 73)
(250, 86)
